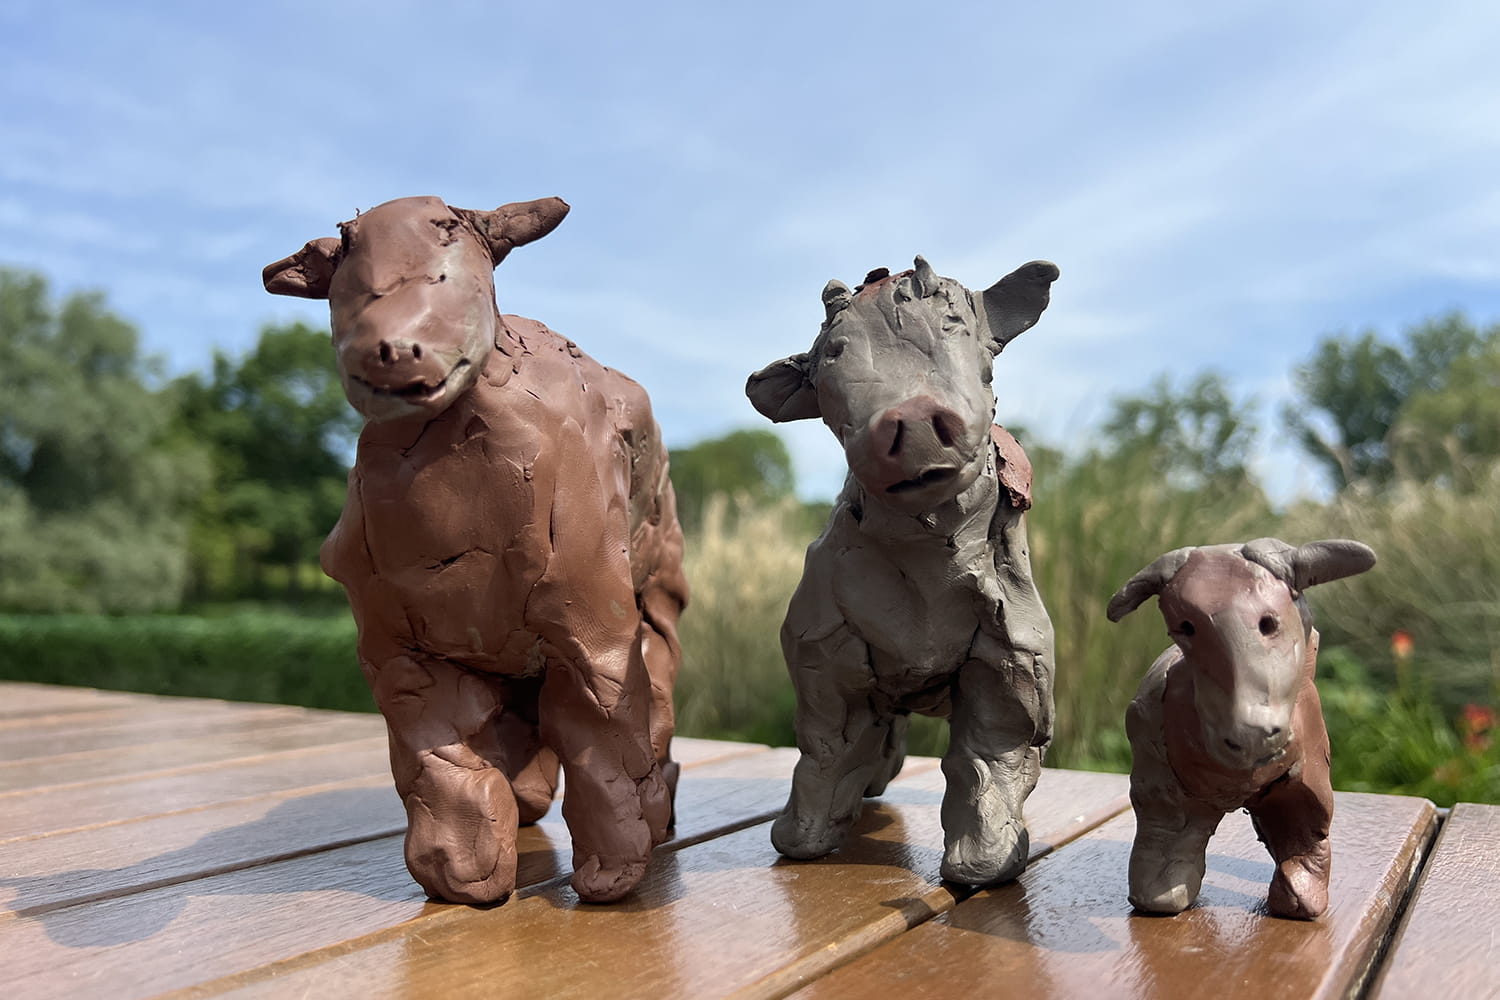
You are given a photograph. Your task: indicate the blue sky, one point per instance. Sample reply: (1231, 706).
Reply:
(1222, 184)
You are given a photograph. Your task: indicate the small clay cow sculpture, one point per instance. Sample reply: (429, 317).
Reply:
(510, 549)
(1229, 717)
(918, 596)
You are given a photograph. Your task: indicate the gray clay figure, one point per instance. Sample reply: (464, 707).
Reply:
(918, 595)
(510, 549)
(1229, 717)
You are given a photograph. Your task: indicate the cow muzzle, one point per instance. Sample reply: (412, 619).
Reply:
(914, 454)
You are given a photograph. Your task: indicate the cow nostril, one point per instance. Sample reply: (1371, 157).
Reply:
(1231, 744)
(896, 438)
(1274, 731)
(416, 351)
(942, 423)
(387, 353)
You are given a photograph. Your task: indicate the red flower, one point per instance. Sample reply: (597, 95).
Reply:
(1401, 644)
(1475, 723)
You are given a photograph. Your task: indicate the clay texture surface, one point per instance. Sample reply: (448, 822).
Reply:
(510, 549)
(1229, 717)
(918, 595)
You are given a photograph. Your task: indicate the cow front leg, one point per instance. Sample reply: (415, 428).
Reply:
(845, 748)
(615, 798)
(461, 814)
(999, 729)
(1168, 857)
(1292, 818)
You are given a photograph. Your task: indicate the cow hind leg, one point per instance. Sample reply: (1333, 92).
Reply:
(461, 813)
(515, 746)
(892, 757)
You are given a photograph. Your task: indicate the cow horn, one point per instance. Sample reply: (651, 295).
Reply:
(1146, 583)
(1311, 564)
(924, 280)
(516, 224)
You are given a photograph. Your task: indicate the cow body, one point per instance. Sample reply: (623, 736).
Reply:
(918, 596)
(1229, 717)
(511, 553)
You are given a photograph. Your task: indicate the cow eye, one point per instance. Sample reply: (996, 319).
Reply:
(1268, 625)
(1186, 628)
(834, 348)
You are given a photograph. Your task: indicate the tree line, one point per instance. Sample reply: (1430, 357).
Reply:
(123, 490)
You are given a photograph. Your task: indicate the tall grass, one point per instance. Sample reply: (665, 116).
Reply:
(1437, 580)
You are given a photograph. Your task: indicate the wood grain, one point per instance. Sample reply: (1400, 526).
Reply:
(722, 915)
(1449, 941)
(233, 738)
(1065, 929)
(178, 935)
(80, 732)
(53, 810)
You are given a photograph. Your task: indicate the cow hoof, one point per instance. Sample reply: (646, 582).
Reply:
(804, 841)
(988, 860)
(603, 881)
(1172, 890)
(477, 870)
(1297, 893)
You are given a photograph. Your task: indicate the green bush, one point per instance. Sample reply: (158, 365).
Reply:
(1401, 741)
(262, 656)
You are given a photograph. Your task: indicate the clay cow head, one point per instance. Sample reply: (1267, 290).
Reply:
(901, 372)
(411, 291)
(1238, 614)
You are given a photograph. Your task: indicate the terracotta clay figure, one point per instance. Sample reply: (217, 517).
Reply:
(1228, 717)
(510, 549)
(918, 596)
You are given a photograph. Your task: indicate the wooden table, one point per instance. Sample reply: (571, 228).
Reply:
(177, 846)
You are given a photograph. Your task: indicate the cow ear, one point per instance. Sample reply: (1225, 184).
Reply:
(1013, 304)
(783, 392)
(306, 273)
(516, 224)
(1146, 583)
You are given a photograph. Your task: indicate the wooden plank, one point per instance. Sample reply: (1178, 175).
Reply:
(179, 935)
(51, 811)
(102, 862)
(725, 914)
(20, 699)
(1065, 928)
(1449, 941)
(233, 738)
(51, 735)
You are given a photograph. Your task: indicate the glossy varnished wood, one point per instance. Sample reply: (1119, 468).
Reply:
(723, 916)
(199, 848)
(1449, 941)
(1066, 930)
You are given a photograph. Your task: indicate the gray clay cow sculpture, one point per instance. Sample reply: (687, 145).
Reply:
(918, 595)
(1229, 717)
(510, 549)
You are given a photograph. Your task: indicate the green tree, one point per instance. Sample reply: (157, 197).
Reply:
(281, 435)
(1448, 434)
(1196, 437)
(1354, 390)
(94, 488)
(750, 463)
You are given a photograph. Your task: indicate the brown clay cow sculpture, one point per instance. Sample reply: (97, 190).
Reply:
(1229, 717)
(510, 549)
(918, 596)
